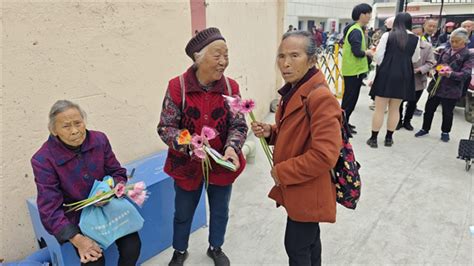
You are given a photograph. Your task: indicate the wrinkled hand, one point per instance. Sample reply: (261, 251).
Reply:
(417, 70)
(273, 172)
(445, 74)
(369, 53)
(232, 156)
(88, 249)
(261, 129)
(438, 50)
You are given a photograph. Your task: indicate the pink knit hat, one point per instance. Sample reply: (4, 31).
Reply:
(449, 24)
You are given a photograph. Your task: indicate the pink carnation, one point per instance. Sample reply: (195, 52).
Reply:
(139, 198)
(139, 187)
(131, 194)
(119, 190)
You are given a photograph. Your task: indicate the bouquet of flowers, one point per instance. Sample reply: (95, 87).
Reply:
(237, 105)
(136, 192)
(201, 148)
(109, 222)
(441, 69)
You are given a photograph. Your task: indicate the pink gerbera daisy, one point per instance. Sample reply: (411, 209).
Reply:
(246, 106)
(197, 141)
(208, 133)
(234, 103)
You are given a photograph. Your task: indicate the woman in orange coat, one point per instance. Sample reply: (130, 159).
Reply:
(307, 139)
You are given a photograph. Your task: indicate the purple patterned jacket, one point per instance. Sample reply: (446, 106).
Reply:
(461, 62)
(64, 176)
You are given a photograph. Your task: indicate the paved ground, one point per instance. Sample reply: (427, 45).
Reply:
(416, 206)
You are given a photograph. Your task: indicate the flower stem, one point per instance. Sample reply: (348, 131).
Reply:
(78, 205)
(203, 166)
(263, 142)
(208, 164)
(435, 87)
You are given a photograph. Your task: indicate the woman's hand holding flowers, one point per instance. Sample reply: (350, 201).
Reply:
(261, 129)
(231, 155)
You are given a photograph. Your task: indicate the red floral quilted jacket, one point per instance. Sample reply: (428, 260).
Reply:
(202, 108)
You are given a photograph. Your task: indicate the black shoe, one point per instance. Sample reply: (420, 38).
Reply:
(399, 125)
(219, 258)
(178, 258)
(388, 142)
(420, 133)
(445, 137)
(372, 143)
(408, 126)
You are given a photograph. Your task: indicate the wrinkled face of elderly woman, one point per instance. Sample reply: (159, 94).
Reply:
(457, 42)
(292, 59)
(70, 127)
(212, 64)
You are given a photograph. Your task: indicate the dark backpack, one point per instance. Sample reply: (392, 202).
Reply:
(345, 174)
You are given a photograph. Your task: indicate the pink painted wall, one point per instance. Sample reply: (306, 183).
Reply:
(198, 15)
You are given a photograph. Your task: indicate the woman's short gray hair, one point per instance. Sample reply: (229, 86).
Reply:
(199, 56)
(61, 106)
(311, 44)
(460, 33)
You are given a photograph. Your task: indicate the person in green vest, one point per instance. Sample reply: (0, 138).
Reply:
(355, 59)
(429, 29)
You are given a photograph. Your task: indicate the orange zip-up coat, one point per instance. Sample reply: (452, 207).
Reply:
(307, 141)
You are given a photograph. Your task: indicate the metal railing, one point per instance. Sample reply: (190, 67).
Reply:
(329, 61)
(453, 1)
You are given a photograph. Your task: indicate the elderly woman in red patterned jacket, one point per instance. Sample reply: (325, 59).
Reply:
(194, 100)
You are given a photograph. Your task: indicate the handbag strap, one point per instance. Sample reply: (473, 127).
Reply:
(317, 86)
(344, 125)
(229, 89)
(183, 92)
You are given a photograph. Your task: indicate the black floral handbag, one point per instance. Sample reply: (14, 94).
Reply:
(345, 174)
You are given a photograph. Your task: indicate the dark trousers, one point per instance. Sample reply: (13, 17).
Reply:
(410, 108)
(352, 86)
(303, 243)
(129, 250)
(430, 109)
(185, 206)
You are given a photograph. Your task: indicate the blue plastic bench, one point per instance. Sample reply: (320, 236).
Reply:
(158, 210)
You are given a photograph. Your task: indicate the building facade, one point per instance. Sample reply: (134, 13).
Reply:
(332, 15)
(115, 59)
(453, 10)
